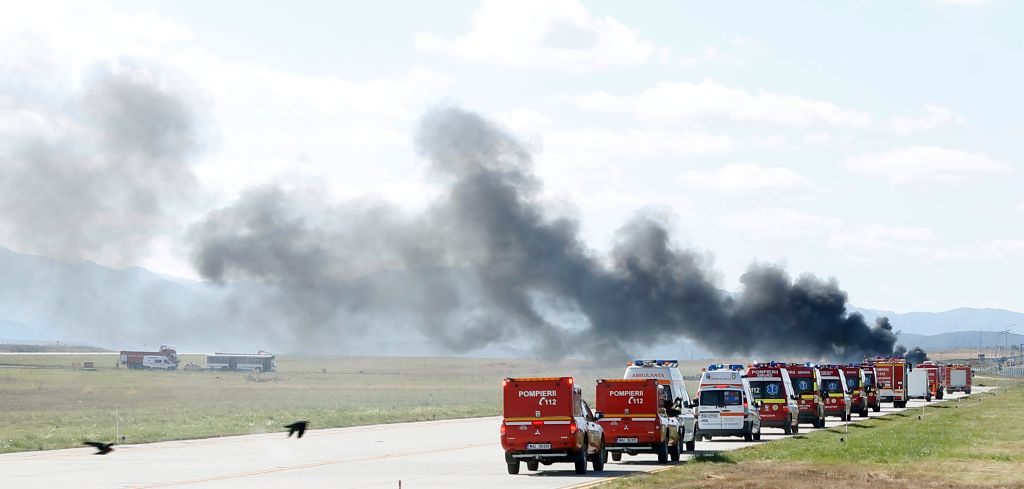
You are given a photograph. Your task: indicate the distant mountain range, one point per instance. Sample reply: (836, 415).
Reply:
(44, 299)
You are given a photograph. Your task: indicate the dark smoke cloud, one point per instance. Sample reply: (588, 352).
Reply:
(99, 175)
(487, 263)
(914, 356)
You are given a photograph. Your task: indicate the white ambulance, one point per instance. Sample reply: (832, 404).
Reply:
(725, 405)
(671, 382)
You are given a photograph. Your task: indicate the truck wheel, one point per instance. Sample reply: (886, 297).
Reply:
(796, 428)
(662, 450)
(928, 398)
(941, 395)
(877, 407)
(580, 459)
(599, 458)
(788, 429)
(863, 412)
(616, 456)
(821, 422)
(757, 436)
(967, 391)
(692, 445)
(677, 450)
(513, 467)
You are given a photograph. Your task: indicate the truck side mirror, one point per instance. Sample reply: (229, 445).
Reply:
(598, 415)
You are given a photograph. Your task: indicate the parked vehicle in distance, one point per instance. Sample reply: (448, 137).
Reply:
(770, 383)
(670, 381)
(891, 378)
(242, 362)
(165, 359)
(871, 387)
(806, 381)
(936, 378)
(834, 392)
(636, 417)
(958, 378)
(546, 420)
(725, 405)
(857, 387)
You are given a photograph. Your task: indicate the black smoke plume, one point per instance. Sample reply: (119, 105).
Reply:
(913, 356)
(488, 262)
(96, 174)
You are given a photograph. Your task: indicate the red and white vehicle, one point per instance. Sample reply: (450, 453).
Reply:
(770, 384)
(958, 378)
(671, 383)
(165, 359)
(936, 378)
(546, 420)
(856, 384)
(725, 404)
(835, 392)
(871, 386)
(635, 418)
(891, 378)
(806, 381)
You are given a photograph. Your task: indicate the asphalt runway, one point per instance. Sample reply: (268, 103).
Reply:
(435, 454)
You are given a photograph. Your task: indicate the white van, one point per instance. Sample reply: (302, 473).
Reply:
(725, 405)
(917, 385)
(671, 381)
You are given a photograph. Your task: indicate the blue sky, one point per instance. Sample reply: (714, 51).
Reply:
(874, 142)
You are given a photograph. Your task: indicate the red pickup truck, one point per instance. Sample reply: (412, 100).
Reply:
(636, 420)
(546, 420)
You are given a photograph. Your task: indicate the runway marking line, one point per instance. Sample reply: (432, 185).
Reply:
(304, 466)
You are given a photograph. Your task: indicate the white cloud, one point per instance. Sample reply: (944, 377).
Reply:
(924, 163)
(636, 143)
(551, 34)
(675, 101)
(935, 116)
(1020, 208)
(776, 223)
(1002, 249)
(877, 236)
(963, 2)
(748, 177)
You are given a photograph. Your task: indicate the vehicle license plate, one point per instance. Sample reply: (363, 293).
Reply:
(538, 446)
(625, 440)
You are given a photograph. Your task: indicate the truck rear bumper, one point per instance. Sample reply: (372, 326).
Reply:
(724, 432)
(541, 455)
(631, 448)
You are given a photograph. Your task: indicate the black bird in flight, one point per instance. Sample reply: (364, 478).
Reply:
(101, 448)
(298, 426)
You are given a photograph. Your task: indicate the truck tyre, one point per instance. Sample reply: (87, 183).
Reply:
(757, 435)
(796, 428)
(877, 407)
(748, 431)
(580, 459)
(513, 467)
(967, 391)
(788, 429)
(941, 394)
(677, 449)
(863, 412)
(692, 444)
(928, 398)
(616, 456)
(662, 450)
(600, 457)
(532, 465)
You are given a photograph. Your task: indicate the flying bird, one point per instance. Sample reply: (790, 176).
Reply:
(298, 426)
(101, 448)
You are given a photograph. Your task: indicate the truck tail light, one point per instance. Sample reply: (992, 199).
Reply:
(503, 429)
(572, 427)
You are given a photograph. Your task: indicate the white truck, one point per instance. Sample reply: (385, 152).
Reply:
(917, 385)
(726, 406)
(671, 381)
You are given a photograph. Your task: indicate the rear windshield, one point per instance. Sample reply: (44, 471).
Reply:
(833, 386)
(803, 385)
(869, 379)
(721, 398)
(853, 382)
(767, 389)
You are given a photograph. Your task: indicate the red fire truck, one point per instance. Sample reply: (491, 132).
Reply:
(958, 378)
(546, 420)
(165, 359)
(857, 387)
(636, 419)
(936, 378)
(891, 378)
(770, 383)
(806, 381)
(871, 386)
(834, 390)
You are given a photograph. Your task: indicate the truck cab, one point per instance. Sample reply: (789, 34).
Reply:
(835, 392)
(871, 387)
(770, 383)
(807, 381)
(670, 380)
(725, 405)
(546, 420)
(636, 420)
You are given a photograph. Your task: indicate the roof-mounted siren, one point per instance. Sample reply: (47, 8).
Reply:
(667, 363)
(735, 366)
(715, 366)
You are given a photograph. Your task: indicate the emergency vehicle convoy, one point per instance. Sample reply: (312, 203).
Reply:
(637, 417)
(725, 405)
(855, 385)
(871, 386)
(806, 380)
(770, 383)
(958, 378)
(891, 378)
(670, 381)
(546, 420)
(834, 391)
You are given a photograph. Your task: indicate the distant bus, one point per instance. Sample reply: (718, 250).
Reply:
(257, 362)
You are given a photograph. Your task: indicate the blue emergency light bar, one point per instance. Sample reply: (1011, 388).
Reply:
(655, 363)
(721, 366)
(772, 363)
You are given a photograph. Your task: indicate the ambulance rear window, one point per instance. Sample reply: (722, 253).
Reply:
(766, 389)
(869, 379)
(833, 386)
(853, 382)
(803, 385)
(721, 398)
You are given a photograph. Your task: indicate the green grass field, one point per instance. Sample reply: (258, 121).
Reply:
(57, 407)
(978, 442)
